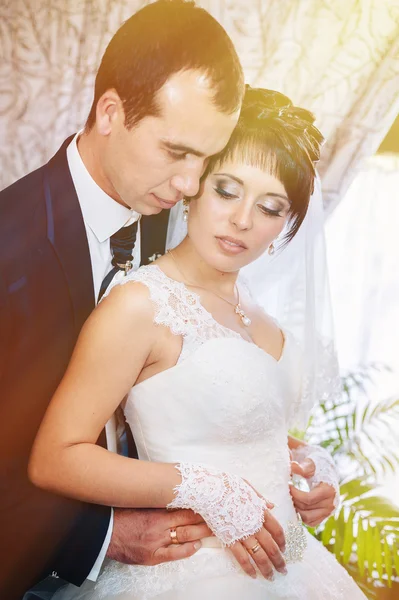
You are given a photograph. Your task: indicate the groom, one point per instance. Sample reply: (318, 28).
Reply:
(167, 96)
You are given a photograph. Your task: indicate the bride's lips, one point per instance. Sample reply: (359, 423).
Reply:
(166, 204)
(231, 245)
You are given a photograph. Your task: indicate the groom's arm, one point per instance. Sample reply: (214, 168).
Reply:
(137, 536)
(132, 536)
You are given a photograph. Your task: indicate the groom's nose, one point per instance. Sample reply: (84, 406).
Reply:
(188, 185)
(187, 182)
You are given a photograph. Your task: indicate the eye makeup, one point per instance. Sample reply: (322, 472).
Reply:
(230, 187)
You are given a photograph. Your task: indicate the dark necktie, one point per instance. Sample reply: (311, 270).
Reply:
(122, 243)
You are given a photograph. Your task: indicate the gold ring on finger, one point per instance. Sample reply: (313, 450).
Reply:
(173, 536)
(255, 548)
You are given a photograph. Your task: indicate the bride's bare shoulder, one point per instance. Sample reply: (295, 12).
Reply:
(130, 301)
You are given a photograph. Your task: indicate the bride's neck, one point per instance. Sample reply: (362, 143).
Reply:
(196, 272)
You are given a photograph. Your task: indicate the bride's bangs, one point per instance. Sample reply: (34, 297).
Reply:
(249, 150)
(254, 153)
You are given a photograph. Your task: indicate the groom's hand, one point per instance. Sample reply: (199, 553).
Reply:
(142, 536)
(316, 505)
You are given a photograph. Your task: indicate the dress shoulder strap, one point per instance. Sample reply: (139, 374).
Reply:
(176, 307)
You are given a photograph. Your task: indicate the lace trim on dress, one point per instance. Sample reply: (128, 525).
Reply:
(176, 307)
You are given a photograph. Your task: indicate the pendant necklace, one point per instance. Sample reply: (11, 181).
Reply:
(245, 320)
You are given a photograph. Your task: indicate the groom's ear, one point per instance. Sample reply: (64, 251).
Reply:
(109, 112)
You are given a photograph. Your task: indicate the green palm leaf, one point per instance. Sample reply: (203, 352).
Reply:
(396, 558)
(370, 550)
(360, 548)
(388, 562)
(349, 539)
(378, 552)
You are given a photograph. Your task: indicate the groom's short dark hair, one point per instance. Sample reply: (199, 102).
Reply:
(161, 39)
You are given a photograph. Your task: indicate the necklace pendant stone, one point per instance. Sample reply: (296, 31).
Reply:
(246, 320)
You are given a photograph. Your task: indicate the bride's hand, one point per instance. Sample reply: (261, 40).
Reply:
(317, 466)
(264, 548)
(229, 505)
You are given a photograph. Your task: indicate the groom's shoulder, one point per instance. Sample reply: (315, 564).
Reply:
(21, 195)
(22, 221)
(21, 198)
(22, 210)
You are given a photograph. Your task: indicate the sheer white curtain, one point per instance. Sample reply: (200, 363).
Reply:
(363, 255)
(363, 252)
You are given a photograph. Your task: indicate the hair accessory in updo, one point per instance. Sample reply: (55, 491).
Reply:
(283, 111)
(279, 114)
(268, 113)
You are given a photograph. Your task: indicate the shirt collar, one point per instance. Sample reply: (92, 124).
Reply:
(100, 212)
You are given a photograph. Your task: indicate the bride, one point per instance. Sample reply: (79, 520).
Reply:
(211, 385)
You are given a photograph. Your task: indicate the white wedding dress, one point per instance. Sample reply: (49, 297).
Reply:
(228, 404)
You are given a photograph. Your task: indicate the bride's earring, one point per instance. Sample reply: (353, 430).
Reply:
(185, 211)
(271, 249)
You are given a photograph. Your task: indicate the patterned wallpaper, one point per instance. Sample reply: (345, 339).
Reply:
(339, 59)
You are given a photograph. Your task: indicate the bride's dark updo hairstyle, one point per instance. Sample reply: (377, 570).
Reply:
(281, 139)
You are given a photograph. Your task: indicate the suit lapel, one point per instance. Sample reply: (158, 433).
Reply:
(153, 235)
(67, 234)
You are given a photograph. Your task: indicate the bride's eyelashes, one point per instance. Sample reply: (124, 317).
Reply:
(264, 209)
(269, 211)
(224, 194)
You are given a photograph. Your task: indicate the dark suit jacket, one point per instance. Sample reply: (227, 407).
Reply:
(46, 293)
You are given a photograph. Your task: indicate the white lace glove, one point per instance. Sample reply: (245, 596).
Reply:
(230, 506)
(325, 469)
